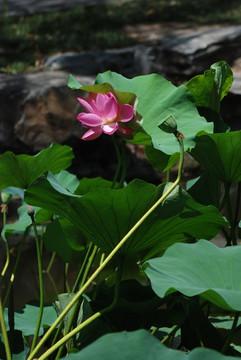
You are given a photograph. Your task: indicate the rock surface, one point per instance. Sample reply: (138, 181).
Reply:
(37, 109)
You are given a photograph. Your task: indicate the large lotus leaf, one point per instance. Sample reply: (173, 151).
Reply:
(159, 160)
(220, 154)
(26, 319)
(205, 189)
(209, 89)
(157, 98)
(199, 269)
(64, 239)
(140, 345)
(106, 215)
(87, 184)
(21, 170)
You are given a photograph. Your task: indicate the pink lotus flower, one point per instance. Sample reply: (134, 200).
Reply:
(104, 114)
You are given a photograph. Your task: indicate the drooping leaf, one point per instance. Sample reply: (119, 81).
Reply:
(21, 170)
(25, 319)
(220, 154)
(209, 89)
(64, 239)
(105, 216)
(199, 269)
(140, 345)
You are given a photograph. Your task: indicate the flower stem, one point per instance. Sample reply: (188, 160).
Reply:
(111, 255)
(70, 334)
(15, 266)
(236, 216)
(88, 266)
(232, 237)
(41, 286)
(231, 333)
(4, 332)
(4, 212)
(123, 163)
(77, 281)
(118, 161)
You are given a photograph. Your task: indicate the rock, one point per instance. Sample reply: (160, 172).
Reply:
(129, 61)
(37, 109)
(180, 51)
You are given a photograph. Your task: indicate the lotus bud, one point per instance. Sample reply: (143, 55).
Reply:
(168, 125)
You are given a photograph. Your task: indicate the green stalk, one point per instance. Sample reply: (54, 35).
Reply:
(112, 254)
(50, 263)
(4, 212)
(75, 311)
(41, 286)
(231, 333)
(123, 163)
(232, 238)
(4, 332)
(171, 334)
(15, 266)
(118, 161)
(238, 200)
(62, 341)
(66, 285)
(77, 281)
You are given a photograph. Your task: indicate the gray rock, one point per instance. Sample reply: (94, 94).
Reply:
(37, 109)
(187, 52)
(129, 61)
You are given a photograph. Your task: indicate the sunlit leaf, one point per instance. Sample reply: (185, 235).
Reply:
(199, 269)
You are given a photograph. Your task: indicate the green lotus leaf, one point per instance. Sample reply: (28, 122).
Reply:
(105, 215)
(21, 170)
(64, 239)
(26, 319)
(220, 154)
(209, 89)
(139, 345)
(199, 269)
